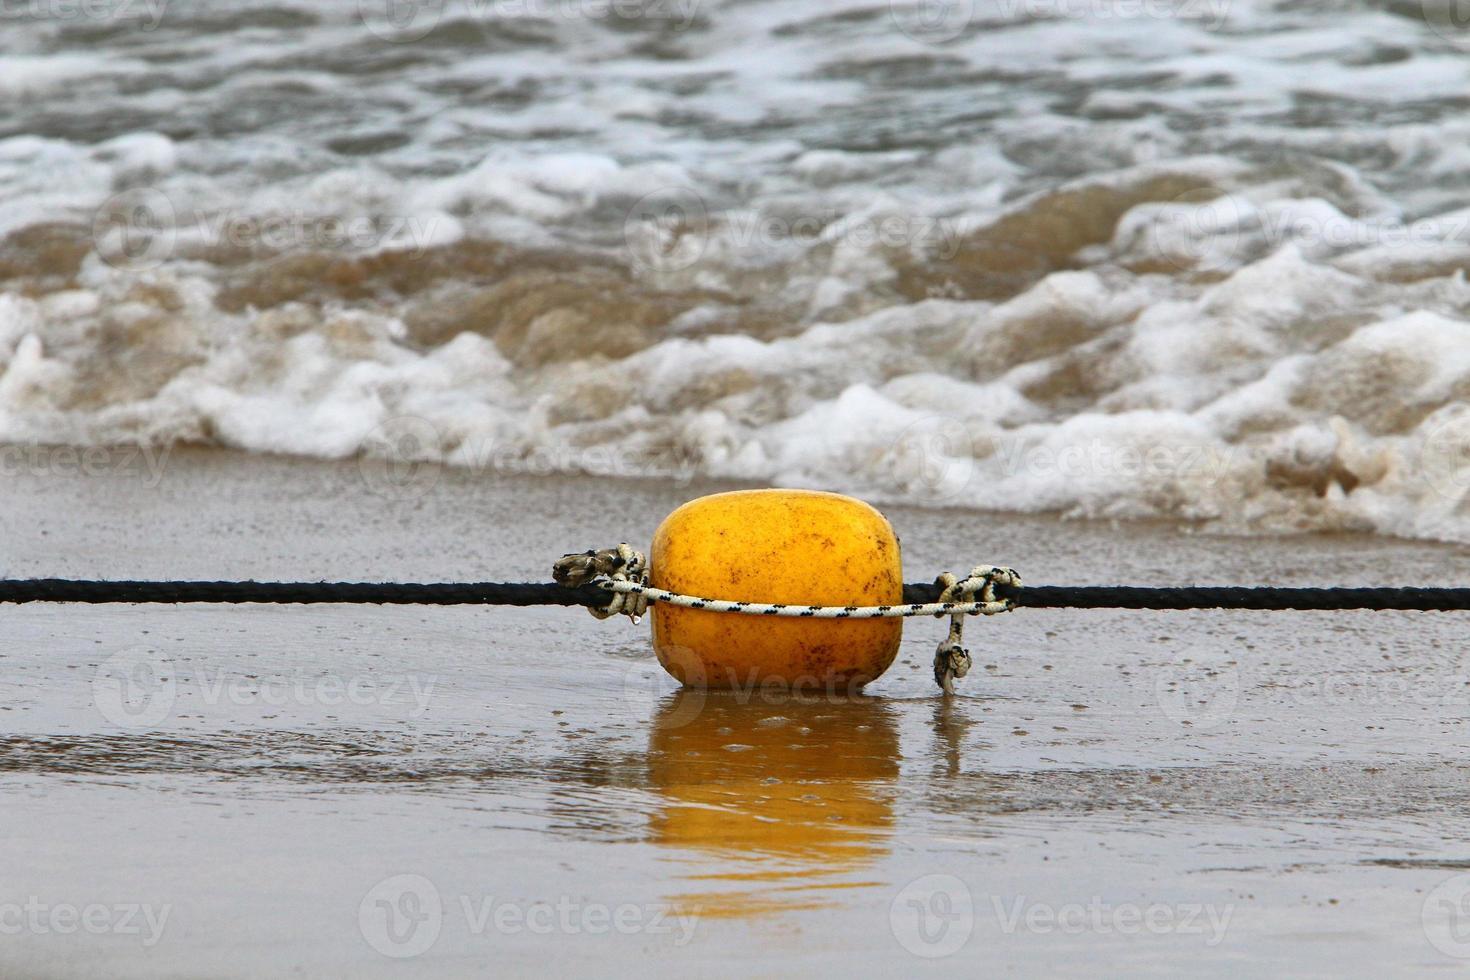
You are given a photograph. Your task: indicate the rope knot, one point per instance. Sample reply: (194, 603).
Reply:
(951, 660)
(621, 564)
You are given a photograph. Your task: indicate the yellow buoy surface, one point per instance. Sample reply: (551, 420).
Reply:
(789, 546)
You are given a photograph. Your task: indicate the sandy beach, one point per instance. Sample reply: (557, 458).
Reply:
(360, 791)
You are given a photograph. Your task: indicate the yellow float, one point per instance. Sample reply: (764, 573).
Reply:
(776, 546)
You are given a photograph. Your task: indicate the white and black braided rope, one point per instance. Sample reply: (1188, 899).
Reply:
(899, 611)
(624, 572)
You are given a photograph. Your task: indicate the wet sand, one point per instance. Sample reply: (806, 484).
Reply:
(362, 791)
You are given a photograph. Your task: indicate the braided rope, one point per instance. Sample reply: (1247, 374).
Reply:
(623, 571)
(1260, 597)
(306, 593)
(947, 607)
(951, 659)
(915, 594)
(615, 582)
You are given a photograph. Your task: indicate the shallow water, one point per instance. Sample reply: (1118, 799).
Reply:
(1250, 791)
(1194, 260)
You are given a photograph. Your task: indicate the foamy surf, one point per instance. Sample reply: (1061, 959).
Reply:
(1100, 296)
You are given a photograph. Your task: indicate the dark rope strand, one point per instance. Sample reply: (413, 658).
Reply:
(404, 593)
(551, 594)
(1240, 597)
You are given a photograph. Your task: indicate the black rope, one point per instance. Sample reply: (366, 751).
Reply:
(1237, 597)
(551, 594)
(397, 593)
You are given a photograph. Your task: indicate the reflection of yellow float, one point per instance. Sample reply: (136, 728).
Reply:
(790, 799)
(776, 546)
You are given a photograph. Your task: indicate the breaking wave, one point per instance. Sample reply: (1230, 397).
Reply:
(1040, 259)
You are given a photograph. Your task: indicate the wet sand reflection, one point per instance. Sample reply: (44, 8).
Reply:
(773, 805)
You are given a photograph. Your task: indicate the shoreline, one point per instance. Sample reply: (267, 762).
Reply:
(152, 461)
